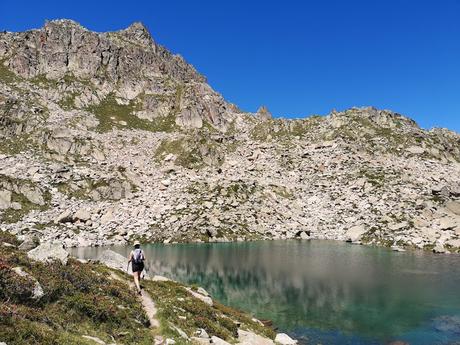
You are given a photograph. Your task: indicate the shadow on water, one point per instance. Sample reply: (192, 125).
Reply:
(322, 291)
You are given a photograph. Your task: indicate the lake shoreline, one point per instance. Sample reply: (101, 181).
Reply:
(319, 289)
(396, 248)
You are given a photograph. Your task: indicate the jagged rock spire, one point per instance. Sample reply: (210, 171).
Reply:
(264, 113)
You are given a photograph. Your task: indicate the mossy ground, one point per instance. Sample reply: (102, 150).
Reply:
(192, 152)
(112, 115)
(14, 146)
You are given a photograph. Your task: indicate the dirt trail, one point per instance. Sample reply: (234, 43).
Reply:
(150, 308)
(147, 303)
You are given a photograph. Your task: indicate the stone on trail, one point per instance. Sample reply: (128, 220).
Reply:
(284, 339)
(47, 252)
(34, 195)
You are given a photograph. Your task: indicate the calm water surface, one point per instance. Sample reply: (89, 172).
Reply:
(323, 292)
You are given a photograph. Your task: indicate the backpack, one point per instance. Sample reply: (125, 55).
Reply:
(138, 256)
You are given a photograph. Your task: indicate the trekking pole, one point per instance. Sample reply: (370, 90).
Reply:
(127, 268)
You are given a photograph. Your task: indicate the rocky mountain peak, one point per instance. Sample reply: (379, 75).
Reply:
(381, 118)
(263, 113)
(138, 32)
(126, 66)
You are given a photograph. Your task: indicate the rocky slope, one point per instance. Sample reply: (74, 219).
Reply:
(107, 137)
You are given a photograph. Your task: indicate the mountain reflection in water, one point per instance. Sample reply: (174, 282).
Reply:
(310, 288)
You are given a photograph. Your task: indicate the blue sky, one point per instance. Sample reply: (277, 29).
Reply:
(296, 57)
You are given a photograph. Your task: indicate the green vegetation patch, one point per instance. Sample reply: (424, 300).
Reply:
(373, 176)
(68, 101)
(6, 75)
(68, 79)
(282, 191)
(192, 152)
(16, 145)
(178, 307)
(79, 299)
(111, 115)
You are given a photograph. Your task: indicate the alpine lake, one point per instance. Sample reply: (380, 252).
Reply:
(321, 292)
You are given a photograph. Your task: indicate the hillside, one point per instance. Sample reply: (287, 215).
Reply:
(108, 137)
(71, 302)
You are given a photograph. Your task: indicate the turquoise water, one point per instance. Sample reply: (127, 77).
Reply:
(323, 292)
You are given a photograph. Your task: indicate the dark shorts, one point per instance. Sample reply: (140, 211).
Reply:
(138, 267)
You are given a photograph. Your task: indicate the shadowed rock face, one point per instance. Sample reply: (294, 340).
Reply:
(115, 124)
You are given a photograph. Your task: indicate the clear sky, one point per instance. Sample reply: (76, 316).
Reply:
(296, 57)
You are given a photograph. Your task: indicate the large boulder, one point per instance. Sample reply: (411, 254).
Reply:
(355, 233)
(82, 215)
(38, 292)
(117, 261)
(284, 339)
(47, 252)
(5, 199)
(202, 297)
(33, 194)
(250, 338)
(64, 217)
(218, 341)
(454, 207)
(29, 243)
(416, 150)
(114, 260)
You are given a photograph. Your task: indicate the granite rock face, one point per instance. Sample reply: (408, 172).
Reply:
(109, 137)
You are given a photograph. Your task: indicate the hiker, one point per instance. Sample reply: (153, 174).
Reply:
(136, 257)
